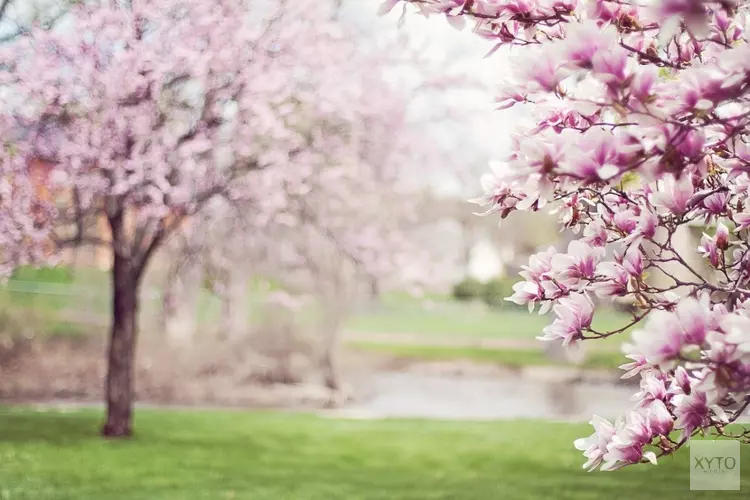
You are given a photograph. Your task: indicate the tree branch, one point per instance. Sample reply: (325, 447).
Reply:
(3, 7)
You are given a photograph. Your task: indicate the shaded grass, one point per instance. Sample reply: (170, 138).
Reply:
(258, 456)
(515, 358)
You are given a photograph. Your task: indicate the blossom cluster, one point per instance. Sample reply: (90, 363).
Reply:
(156, 107)
(641, 137)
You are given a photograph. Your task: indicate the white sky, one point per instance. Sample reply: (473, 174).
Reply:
(488, 131)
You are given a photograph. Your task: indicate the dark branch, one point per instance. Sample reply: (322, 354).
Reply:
(79, 241)
(3, 7)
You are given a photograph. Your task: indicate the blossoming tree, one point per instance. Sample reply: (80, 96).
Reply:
(341, 222)
(148, 111)
(642, 131)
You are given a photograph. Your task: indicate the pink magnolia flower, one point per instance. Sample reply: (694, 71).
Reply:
(738, 334)
(710, 250)
(595, 446)
(719, 350)
(503, 193)
(562, 5)
(539, 265)
(652, 389)
(495, 189)
(632, 261)
(647, 223)
(673, 194)
(694, 316)
(721, 20)
(661, 341)
(508, 96)
(559, 119)
(517, 6)
(625, 221)
(526, 293)
(715, 204)
(541, 153)
(573, 314)
(626, 446)
(691, 143)
(636, 366)
(533, 193)
(553, 290)
(722, 236)
(740, 270)
(595, 234)
(604, 11)
(545, 70)
(743, 221)
(740, 184)
(611, 65)
(568, 211)
(584, 41)
(692, 412)
(694, 11)
(643, 82)
(647, 226)
(734, 343)
(615, 280)
(579, 263)
(682, 381)
(596, 156)
(660, 421)
(490, 7)
(724, 29)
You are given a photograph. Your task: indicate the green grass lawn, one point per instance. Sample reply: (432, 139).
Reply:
(464, 319)
(276, 456)
(449, 318)
(598, 359)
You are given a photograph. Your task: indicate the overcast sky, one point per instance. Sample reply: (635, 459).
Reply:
(487, 131)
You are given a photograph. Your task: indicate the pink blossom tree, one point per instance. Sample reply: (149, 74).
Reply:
(148, 112)
(642, 133)
(25, 214)
(338, 226)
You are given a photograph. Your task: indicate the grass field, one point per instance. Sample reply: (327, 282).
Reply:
(273, 456)
(56, 301)
(448, 317)
(50, 297)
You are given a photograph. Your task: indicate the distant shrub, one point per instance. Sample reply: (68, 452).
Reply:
(496, 290)
(468, 289)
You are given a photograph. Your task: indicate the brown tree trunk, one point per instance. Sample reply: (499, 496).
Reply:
(123, 336)
(169, 299)
(127, 265)
(374, 290)
(330, 358)
(234, 307)
(331, 375)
